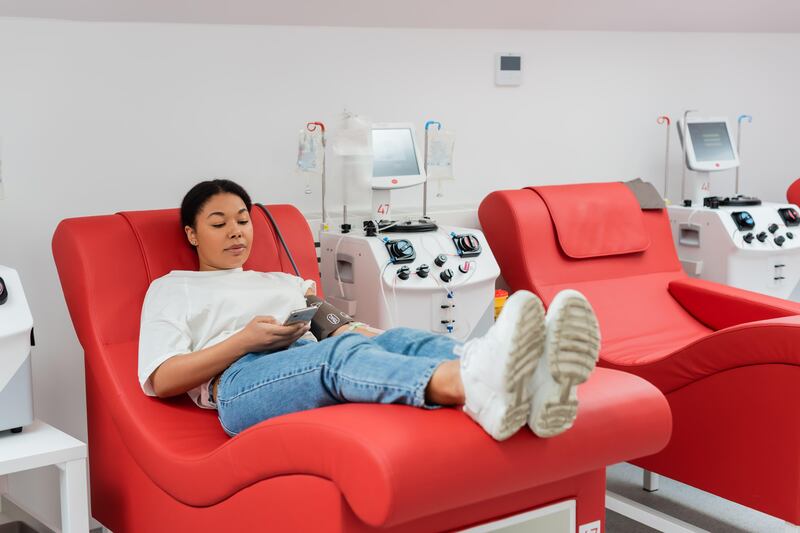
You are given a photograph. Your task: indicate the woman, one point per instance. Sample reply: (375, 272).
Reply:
(217, 334)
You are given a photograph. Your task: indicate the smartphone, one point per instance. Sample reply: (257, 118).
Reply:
(301, 315)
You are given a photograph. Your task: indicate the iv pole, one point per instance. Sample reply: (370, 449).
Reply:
(312, 127)
(662, 120)
(741, 119)
(425, 184)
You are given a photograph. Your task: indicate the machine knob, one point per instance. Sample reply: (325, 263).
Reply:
(446, 275)
(440, 260)
(762, 236)
(779, 240)
(401, 251)
(403, 273)
(773, 228)
(469, 243)
(748, 238)
(464, 268)
(423, 271)
(790, 234)
(3, 292)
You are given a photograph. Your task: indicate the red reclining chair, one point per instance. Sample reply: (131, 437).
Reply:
(728, 360)
(167, 465)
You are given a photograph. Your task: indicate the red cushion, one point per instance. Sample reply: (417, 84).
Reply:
(392, 463)
(607, 219)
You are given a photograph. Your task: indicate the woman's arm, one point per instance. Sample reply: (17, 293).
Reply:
(182, 373)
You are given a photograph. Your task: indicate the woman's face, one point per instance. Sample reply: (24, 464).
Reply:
(222, 234)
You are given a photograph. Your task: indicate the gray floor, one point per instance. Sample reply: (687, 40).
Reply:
(684, 502)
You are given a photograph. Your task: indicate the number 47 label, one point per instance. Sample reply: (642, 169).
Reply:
(593, 527)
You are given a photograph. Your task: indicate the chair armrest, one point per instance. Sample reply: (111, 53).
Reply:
(721, 306)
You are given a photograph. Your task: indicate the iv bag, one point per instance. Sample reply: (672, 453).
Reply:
(440, 154)
(352, 146)
(309, 152)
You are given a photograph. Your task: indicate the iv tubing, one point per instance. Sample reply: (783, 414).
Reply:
(661, 120)
(741, 118)
(312, 126)
(685, 130)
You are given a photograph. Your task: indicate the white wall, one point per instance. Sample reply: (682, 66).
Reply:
(101, 117)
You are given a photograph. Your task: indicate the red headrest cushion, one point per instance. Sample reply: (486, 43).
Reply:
(595, 219)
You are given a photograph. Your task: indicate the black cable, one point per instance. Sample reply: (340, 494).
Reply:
(280, 237)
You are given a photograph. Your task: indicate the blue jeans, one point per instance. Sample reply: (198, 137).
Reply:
(393, 367)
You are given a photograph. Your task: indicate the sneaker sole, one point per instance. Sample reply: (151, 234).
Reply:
(573, 345)
(527, 346)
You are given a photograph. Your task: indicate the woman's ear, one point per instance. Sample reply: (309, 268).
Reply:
(191, 235)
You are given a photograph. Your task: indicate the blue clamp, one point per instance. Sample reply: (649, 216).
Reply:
(431, 123)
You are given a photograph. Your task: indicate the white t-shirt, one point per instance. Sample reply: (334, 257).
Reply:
(186, 311)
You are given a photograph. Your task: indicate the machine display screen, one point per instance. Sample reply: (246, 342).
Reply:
(710, 141)
(393, 153)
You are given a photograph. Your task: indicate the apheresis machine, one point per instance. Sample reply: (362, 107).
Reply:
(739, 240)
(411, 273)
(16, 339)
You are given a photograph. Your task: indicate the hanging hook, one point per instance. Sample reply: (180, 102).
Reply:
(748, 118)
(662, 119)
(312, 126)
(431, 123)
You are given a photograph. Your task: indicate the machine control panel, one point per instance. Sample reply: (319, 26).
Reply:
(754, 247)
(743, 220)
(467, 244)
(400, 251)
(790, 216)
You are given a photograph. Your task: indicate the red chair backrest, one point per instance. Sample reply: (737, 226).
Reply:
(627, 290)
(106, 264)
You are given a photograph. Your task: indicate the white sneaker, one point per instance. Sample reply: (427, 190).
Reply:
(572, 344)
(497, 368)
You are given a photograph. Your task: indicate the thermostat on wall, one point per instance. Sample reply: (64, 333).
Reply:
(508, 69)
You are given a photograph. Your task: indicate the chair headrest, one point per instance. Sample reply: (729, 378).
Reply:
(595, 219)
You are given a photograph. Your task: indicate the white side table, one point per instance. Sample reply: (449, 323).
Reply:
(41, 444)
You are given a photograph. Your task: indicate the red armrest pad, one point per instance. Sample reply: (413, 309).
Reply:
(396, 463)
(720, 306)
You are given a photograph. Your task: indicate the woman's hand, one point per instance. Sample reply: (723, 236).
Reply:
(263, 333)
